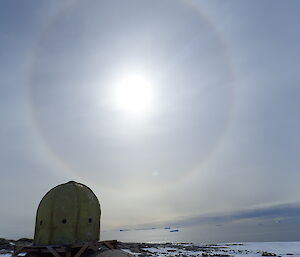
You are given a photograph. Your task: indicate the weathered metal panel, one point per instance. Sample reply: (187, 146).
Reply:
(68, 214)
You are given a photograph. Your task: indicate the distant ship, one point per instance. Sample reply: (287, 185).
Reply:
(174, 230)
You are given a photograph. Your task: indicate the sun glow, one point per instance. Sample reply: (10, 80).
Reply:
(134, 94)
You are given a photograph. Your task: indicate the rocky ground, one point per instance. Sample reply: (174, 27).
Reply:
(7, 246)
(284, 249)
(171, 249)
(163, 249)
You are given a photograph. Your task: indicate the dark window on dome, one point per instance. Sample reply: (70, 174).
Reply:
(90, 220)
(64, 221)
(41, 222)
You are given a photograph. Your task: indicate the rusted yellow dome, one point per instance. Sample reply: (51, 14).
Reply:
(67, 214)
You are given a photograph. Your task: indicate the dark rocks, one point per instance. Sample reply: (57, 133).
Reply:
(5, 251)
(174, 249)
(268, 254)
(24, 241)
(214, 255)
(5, 244)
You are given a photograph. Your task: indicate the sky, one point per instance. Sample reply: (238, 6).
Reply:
(170, 111)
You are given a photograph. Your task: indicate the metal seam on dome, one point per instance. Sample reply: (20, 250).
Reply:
(78, 209)
(51, 215)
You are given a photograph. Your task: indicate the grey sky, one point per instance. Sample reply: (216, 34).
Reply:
(221, 135)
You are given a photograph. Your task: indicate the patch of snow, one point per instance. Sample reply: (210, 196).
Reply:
(170, 251)
(256, 249)
(5, 255)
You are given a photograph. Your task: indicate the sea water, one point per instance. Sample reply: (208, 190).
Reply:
(220, 233)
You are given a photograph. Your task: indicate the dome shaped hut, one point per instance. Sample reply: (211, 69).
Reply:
(68, 214)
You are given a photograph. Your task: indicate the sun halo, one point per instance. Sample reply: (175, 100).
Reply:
(133, 94)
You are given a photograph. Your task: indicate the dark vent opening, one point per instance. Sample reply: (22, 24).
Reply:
(64, 221)
(90, 220)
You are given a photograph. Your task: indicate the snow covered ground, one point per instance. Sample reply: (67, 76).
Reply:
(278, 248)
(282, 249)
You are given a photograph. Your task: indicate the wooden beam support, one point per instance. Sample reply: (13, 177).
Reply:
(68, 253)
(64, 250)
(82, 249)
(51, 250)
(112, 244)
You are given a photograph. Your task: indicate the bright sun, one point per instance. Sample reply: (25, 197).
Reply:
(134, 94)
